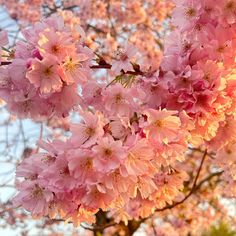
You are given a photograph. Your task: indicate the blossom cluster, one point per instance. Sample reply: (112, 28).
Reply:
(112, 161)
(198, 70)
(198, 66)
(125, 155)
(46, 70)
(145, 27)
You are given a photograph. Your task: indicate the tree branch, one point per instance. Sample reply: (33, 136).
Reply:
(98, 227)
(193, 189)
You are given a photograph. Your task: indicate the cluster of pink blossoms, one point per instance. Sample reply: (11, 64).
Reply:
(43, 77)
(198, 70)
(125, 155)
(198, 65)
(114, 160)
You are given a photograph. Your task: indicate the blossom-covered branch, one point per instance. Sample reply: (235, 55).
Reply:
(129, 146)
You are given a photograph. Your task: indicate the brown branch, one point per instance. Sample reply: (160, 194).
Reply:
(99, 66)
(56, 8)
(40, 136)
(153, 228)
(210, 154)
(7, 210)
(5, 63)
(208, 178)
(113, 29)
(105, 66)
(97, 30)
(199, 170)
(136, 71)
(193, 189)
(98, 227)
(134, 225)
(90, 228)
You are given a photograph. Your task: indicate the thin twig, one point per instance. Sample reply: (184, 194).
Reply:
(193, 189)
(40, 135)
(98, 227)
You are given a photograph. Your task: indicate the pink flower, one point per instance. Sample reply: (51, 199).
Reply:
(65, 204)
(209, 72)
(169, 153)
(5, 81)
(88, 133)
(31, 167)
(34, 198)
(45, 75)
(226, 155)
(58, 44)
(118, 100)
(64, 101)
(56, 22)
(145, 185)
(92, 94)
(120, 128)
(53, 148)
(27, 104)
(168, 185)
(24, 51)
(108, 154)
(138, 159)
(116, 182)
(162, 125)
(226, 133)
(184, 80)
(186, 14)
(124, 156)
(37, 75)
(123, 59)
(74, 69)
(81, 166)
(220, 46)
(17, 71)
(229, 11)
(57, 176)
(153, 98)
(95, 199)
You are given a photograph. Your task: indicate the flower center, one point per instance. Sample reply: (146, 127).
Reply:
(158, 123)
(207, 77)
(187, 46)
(229, 151)
(221, 49)
(122, 55)
(190, 12)
(48, 159)
(107, 152)
(184, 80)
(55, 49)
(37, 192)
(88, 165)
(230, 5)
(48, 71)
(118, 98)
(71, 65)
(208, 9)
(64, 171)
(90, 131)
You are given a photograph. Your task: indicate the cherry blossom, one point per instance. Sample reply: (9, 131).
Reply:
(130, 149)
